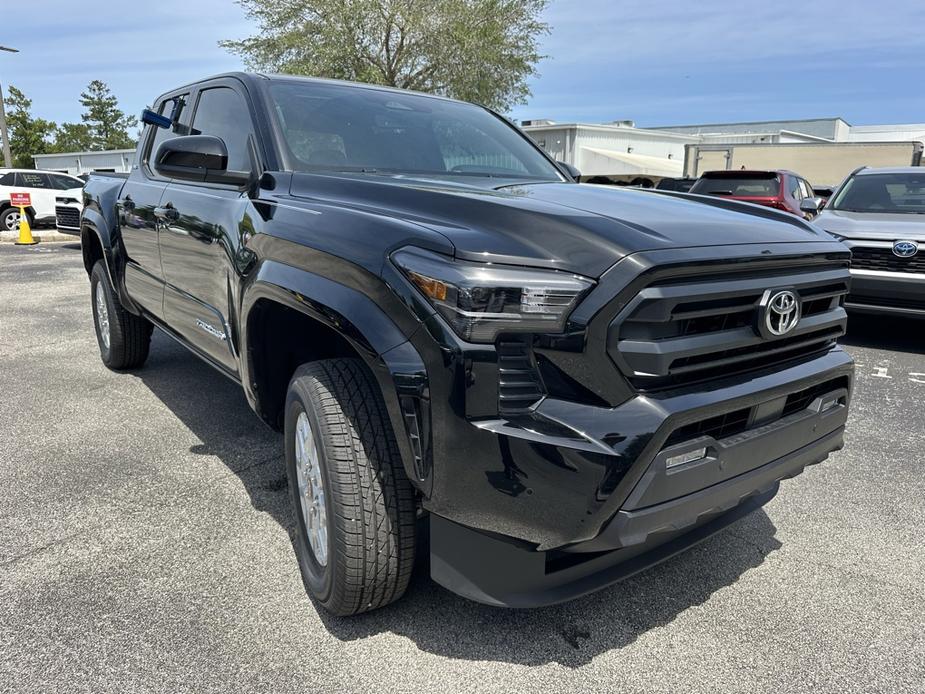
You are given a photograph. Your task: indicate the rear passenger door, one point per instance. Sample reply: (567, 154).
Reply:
(138, 221)
(202, 233)
(40, 192)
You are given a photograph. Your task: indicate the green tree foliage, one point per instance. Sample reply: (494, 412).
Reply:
(72, 137)
(476, 50)
(28, 135)
(106, 125)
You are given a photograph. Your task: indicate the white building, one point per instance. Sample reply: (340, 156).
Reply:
(622, 152)
(76, 163)
(617, 150)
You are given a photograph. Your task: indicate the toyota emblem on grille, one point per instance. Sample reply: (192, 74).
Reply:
(780, 312)
(905, 249)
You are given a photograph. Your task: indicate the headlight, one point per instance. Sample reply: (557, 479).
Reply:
(481, 300)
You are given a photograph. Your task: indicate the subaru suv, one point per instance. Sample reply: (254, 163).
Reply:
(878, 214)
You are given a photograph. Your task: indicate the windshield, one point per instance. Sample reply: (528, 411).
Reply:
(738, 186)
(887, 192)
(342, 128)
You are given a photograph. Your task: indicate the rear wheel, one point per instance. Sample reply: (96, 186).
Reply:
(124, 338)
(354, 506)
(9, 219)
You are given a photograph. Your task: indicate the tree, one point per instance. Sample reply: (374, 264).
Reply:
(28, 135)
(106, 125)
(72, 137)
(476, 50)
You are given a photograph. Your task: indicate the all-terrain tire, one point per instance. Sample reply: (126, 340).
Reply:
(370, 508)
(124, 338)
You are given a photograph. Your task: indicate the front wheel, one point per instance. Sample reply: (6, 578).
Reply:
(354, 506)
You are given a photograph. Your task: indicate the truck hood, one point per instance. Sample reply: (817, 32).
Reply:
(576, 227)
(881, 226)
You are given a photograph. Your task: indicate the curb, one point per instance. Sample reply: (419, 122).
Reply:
(42, 236)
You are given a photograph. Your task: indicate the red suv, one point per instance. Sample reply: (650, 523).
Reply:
(782, 190)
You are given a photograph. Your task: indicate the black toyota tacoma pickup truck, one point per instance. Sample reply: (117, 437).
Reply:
(546, 385)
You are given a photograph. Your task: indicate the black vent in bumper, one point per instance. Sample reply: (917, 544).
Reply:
(869, 258)
(519, 383)
(680, 331)
(68, 217)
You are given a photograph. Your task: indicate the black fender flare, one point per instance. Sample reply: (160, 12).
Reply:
(92, 221)
(384, 347)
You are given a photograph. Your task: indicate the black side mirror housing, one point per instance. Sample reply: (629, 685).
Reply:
(570, 170)
(198, 158)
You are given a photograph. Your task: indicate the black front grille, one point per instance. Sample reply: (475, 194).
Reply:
(719, 427)
(518, 382)
(67, 216)
(869, 258)
(680, 331)
(734, 422)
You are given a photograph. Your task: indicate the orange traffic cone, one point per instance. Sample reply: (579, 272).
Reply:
(25, 231)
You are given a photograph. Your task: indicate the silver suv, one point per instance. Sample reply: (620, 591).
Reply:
(880, 215)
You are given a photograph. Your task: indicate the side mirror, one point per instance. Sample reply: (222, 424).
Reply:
(198, 158)
(811, 205)
(570, 170)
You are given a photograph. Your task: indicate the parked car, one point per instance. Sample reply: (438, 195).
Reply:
(680, 185)
(67, 214)
(878, 213)
(43, 187)
(782, 190)
(565, 383)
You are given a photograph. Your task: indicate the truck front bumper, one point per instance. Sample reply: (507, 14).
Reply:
(657, 507)
(894, 293)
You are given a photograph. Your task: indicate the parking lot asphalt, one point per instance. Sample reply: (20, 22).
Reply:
(144, 547)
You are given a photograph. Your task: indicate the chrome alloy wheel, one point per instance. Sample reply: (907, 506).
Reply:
(311, 489)
(102, 315)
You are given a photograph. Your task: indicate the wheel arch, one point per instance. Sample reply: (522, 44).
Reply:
(291, 316)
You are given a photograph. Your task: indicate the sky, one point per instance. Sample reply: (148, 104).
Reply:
(661, 62)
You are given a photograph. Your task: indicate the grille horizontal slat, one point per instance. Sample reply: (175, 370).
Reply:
(883, 259)
(518, 381)
(674, 333)
(67, 216)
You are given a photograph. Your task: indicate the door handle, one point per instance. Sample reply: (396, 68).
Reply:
(168, 213)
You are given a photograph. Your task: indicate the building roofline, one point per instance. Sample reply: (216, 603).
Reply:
(754, 122)
(84, 153)
(604, 127)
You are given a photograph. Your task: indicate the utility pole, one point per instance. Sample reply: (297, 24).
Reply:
(4, 133)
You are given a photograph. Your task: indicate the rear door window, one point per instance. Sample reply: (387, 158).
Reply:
(28, 179)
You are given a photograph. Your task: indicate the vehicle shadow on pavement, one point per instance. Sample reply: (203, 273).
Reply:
(573, 633)
(214, 409)
(895, 333)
